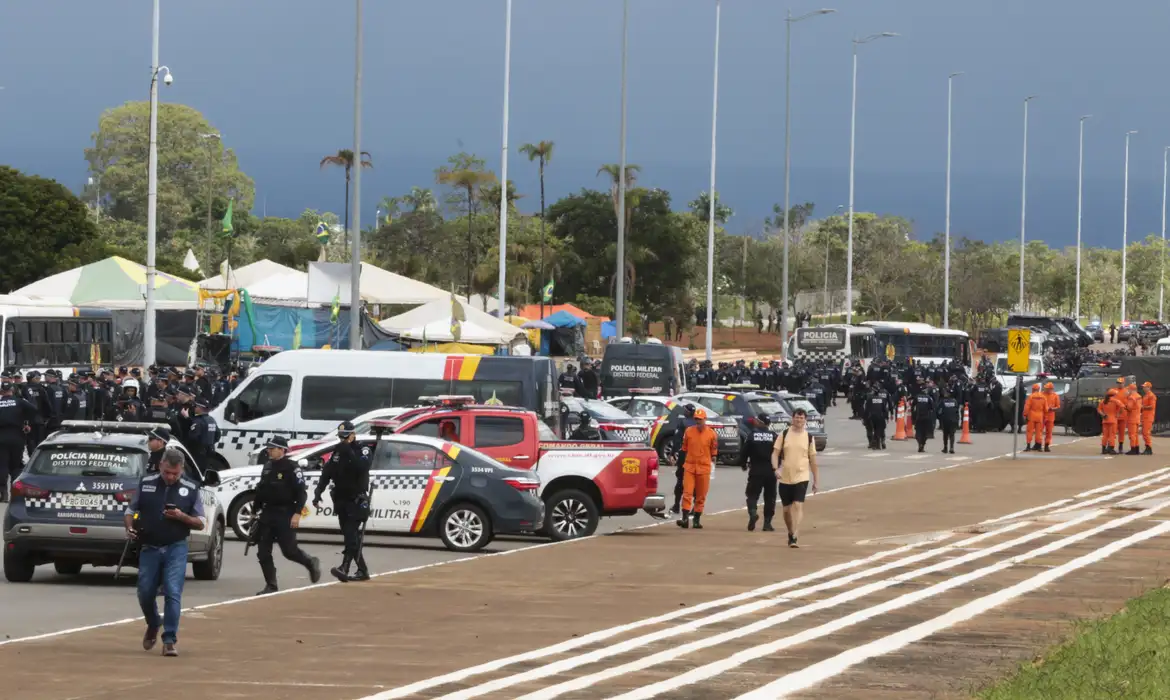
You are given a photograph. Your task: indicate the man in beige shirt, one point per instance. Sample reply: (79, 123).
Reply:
(794, 459)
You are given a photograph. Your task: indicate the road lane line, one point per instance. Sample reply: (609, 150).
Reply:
(1130, 480)
(1026, 511)
(740, 658)
(1115, 494)
(628, 645)
(1083, 494)
(818, 672)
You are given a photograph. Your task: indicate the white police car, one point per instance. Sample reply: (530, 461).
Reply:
(68, 504)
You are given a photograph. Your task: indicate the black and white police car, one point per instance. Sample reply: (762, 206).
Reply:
(67, 506)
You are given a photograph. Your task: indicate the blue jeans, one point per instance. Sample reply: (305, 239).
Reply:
(167, 565)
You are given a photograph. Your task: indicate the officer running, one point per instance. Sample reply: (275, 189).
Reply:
(761, 476)
(15, 414)
(280, 498)
(349, 470)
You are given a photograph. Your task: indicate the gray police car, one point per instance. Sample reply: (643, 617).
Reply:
(67, 506)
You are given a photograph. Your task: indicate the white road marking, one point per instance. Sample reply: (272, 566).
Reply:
(917, 456)
(877, 454)
(1027, 511)
(957, 458)
(1115, 494)
(828, 668)
(834, 453)
(1130, 480)
(674, 653)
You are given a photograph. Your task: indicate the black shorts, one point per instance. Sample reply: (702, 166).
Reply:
(793, 493)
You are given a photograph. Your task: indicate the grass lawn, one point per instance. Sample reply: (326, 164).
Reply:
(1124, 656)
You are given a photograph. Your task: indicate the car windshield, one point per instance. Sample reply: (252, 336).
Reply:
(597, 409)
(805, 404)
(1002, 368)
(766, 407)
(88, 460)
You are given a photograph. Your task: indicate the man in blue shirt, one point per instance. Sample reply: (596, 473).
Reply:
(165, 509)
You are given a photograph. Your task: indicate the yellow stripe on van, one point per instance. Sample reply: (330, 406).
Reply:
(468, 367)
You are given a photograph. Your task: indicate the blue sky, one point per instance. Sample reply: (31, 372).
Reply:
(276, 77)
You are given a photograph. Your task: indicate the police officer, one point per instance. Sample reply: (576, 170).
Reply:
(57, 395)
(202, 435)
(130, 407)
(924, 416)
(948, 417)
(585, 429)
(877, 413)
(280, 497)
(348, 469)
(76, 405)
(761, 477)
(156, 440)
(15, 414)
(34, 393)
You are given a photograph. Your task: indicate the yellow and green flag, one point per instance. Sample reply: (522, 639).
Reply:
(322, 233)
(228, 232)
(336, 306)
(296, 344)
(547, 292)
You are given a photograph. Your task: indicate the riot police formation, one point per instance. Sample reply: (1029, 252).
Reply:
(280, 497)
(348, 469)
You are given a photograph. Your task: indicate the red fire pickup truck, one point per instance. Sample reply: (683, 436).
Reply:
(579, 481)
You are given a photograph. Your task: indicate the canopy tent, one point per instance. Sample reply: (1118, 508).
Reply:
(115, 283)
(378, 286)
(564, 319)
(286, 286)
(532, 333)
(533, 311)
(456, 348)
(432, 322)
(246, 276)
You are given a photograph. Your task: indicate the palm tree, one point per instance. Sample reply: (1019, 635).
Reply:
(345, 159)
(701, 208)
(490, 195)
(541, 152)
(421, 200)
(470, 181)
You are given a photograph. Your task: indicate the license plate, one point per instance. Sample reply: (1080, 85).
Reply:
(80, 500)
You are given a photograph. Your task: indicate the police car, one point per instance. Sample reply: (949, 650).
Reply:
(419, 486)
(744, 401)
(67, 506)
(663, 410)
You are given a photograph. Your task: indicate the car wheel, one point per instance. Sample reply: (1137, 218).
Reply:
(208, 569)
(668, 453)
(241, 514)
(18, 568)
(465, 528)
(65, 568)
(1086, 424)
(569, 514)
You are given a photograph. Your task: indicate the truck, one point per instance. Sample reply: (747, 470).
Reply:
(1078, 409)
(580, 482)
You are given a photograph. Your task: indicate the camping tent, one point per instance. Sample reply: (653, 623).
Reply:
(533, 311)
(378, 287)
(568, 336)
(286, 286)
(247, 275)
(115, 283)
(432, 322)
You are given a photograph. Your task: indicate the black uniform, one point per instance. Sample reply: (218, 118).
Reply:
(924, 416)
(280, 495)
(58, 397)
(201, 438)
(77, 405)
(877, 413)
(948, 417)
(348, 469)
(761, 477)
(15, 414)
(35, 394)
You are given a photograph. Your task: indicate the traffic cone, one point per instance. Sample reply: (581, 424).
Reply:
(909, 425)
(965, 438)
(900, 421)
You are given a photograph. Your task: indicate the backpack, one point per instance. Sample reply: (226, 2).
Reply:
(784, 440)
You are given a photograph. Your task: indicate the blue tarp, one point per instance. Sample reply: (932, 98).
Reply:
(608, 329)
(276, 325)
(564, 319)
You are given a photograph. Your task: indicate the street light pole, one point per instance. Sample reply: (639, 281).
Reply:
(1024, 201)
(96, 183)
(502, 287)
(355, 270)
(148, 322)
(789, 21)
(711, 192)
(852, 159)
(1162, 273)
(210, 188)
(947, 234)
(1125, 225)
(620, 307)
(1080, 200)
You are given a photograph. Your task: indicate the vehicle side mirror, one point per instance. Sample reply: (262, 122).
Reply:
(302, 463)
(211, 478)
(231, 411)
(564, 409)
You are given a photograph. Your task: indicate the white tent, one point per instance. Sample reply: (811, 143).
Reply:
(384, 287)
(432, 322)
(247, 275)
(292, 285)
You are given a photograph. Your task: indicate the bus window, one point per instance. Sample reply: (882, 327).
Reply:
(9, 349)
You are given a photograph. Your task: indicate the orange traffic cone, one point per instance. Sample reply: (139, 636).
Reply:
(909, 424)
(965, 438)
(900, 421)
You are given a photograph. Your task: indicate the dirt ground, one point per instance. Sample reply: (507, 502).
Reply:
(355, 641)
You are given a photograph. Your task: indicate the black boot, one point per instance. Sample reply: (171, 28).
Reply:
(341, 573)
(1133, 451)
(1048, 448)
(685, 521)
(1104, 450)
(1036, 447)
(1027, 448)
(361, 575)
(268, 588)
(698, 525)
(883, 444)
(1148, 451)
(314, 567)
(768, 525)
(753, 516)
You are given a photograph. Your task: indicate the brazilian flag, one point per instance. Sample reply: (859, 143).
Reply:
(547, 292)
(228, 231)
(322, 233)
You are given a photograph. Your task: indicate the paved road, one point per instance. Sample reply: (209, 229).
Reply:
(52, 602)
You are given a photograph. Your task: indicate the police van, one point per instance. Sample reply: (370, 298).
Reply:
(304, 394)
(67, 507)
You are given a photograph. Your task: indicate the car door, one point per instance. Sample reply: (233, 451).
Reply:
(200, 540)
(503, 439)
(402, 477)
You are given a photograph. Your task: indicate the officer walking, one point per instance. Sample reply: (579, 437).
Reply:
(280, 498)
(948, 418)
(348, 469)
(877, 413)
(761, 476)
(15, 414)
(924, 417)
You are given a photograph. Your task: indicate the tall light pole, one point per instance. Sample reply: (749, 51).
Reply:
(502, 287)
(1024, 200)
(96, 183)
(148, 322)
(711, 192)
(1125, 224)
(620, 305)
(1080, 201)
(355, 256)
(788, 22)
(210, 187)
(947, 234)
(1162, 273)
(852, 159)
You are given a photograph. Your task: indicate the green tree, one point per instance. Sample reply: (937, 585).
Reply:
(542, 153)
(701, 208)
(347, 161)
(465, 175)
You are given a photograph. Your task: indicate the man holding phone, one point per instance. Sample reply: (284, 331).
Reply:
(165, 509)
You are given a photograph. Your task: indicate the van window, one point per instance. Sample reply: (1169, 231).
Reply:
(267, 395)
(342, 398)
(406, 392)
(498, 431)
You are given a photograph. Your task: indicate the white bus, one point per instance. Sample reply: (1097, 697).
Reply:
(922, 342)
(42, 333)
(835, 342)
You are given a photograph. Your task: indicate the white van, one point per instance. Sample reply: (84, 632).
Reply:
(304, 394)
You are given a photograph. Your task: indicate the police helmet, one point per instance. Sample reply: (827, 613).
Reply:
(73, 379)
(130, 384)
(585, 417)
(33, 374)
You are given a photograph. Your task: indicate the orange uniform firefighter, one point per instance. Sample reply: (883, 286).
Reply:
(1035, 408)
(1149, 408)
(699, 448)
(1107, 409)
(1133, 417)
(1053, 400)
